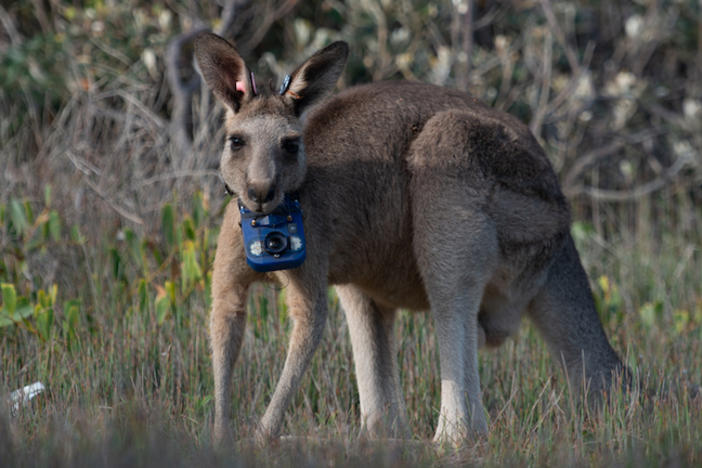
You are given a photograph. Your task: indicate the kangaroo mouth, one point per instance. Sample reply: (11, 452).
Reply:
(262, 209)
(281, 208)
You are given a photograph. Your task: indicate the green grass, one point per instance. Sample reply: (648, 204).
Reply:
(104, 290)
(121, 344)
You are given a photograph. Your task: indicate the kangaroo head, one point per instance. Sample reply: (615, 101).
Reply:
(264, 156)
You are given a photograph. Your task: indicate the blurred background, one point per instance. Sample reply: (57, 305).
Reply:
(100, 98)
(110, 199)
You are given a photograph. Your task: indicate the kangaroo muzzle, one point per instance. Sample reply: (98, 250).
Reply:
(261, 193)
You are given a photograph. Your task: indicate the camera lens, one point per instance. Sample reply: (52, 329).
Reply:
(275, 243)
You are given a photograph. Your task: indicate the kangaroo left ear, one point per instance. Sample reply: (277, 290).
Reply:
(316, 77)
(224, 70)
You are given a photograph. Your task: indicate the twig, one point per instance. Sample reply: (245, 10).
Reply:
(567, 92)
(9, 26)
(489, 17)
(560, 36)
(174, 175)
(227, 17)
(592, 157)
(541, 109)
(84, 167)
(181, 117)
(468, 38)
(665, 114)
(146, 112)
(463, 77)
(41, 16)
(121, 211)
(637, 192)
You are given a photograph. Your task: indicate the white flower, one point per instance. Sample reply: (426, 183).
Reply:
(622, 84)
(633, 26)
(691, 108)
(584, 89)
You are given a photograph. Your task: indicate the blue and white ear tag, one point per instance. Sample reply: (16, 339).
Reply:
(275, 241)
(285, 85)
(285, 88)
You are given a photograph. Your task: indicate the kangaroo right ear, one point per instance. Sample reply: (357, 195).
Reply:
(316, 77)
(223, 70)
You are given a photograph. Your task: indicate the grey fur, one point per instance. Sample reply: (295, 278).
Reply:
(414, 196)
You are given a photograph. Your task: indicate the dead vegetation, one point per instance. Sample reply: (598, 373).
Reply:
(101, 103)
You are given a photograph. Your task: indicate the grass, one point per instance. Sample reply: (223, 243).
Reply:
(105, 287)
(124, 355)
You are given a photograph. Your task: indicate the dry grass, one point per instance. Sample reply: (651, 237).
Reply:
(126, 360)
(129, 390)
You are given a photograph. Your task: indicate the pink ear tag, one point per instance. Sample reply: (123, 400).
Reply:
(241, 86)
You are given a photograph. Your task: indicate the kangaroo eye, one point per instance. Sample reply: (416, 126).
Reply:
(236, 143)
(291, 145)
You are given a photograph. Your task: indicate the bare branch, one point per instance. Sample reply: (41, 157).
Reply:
(41, 16)
(107, 199)
(591, 158)
(283, 9)
(86, 169)
(635, 193)
(183, 89)
(181, 116)
(9, 26)
(466, 27)
(229, 13)
(174, 175)
(560, 36)
(542, 108)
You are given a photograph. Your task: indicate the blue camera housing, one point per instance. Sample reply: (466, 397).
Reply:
(275, 241)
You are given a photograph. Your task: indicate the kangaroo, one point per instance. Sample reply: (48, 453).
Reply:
(414, 196)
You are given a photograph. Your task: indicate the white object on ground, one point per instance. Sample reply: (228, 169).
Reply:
(22, 396)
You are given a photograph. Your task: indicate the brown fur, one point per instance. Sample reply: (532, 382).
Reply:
(414, 196)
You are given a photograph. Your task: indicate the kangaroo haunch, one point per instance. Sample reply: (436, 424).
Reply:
(413, 196)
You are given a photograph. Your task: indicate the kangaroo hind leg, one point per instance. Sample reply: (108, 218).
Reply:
(455, 272)
(383, 412)
(456, 248)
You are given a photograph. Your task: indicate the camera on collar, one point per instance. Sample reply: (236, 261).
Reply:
(274, 241)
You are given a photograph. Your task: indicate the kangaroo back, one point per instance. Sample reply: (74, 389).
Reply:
(367, 140)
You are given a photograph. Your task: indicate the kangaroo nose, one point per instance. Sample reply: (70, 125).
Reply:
(261, 194)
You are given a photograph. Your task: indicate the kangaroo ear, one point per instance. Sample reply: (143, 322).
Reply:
(317, 76)
(223, 70)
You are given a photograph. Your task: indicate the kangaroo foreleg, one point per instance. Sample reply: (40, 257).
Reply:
(231, 278)
(309, 312)
(227, 323)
